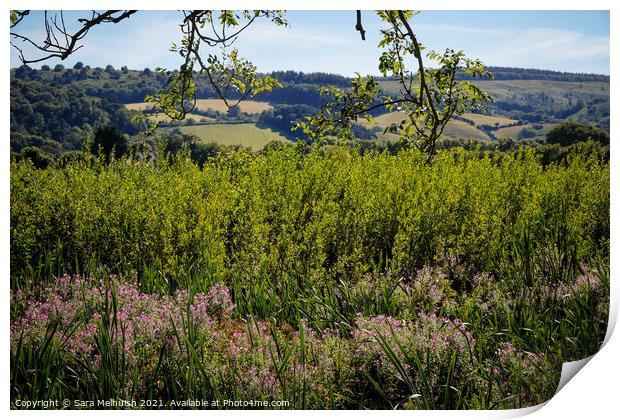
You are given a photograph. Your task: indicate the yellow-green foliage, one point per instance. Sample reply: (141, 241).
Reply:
(330, 278)
(285, 217)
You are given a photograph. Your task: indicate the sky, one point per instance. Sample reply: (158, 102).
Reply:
(326, 41)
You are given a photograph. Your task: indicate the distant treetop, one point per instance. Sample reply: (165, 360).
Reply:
(572, 132)
(515, 73)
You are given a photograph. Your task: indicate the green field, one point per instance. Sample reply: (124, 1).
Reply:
(247, 135)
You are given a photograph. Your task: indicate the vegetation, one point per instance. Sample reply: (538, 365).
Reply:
(424, 263)
(323, 277)
(246, 135)
(248, 106)
(512, 73)
(58, 118)
(571, 132)
(94, 97)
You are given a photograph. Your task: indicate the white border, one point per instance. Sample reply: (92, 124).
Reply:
(591, 394)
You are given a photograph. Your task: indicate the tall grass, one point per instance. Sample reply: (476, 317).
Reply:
(350, 280)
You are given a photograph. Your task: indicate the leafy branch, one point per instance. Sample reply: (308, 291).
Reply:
(230, 74)
(59, 41)
(428, 97)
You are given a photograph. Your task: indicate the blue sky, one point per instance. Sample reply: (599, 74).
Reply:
(574, 41)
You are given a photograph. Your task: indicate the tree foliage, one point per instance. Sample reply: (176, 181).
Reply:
(45, 114)
(572, 132)
(225, 69)
(109, 141)
(428, 97)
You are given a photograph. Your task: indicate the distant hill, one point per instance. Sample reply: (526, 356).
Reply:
(55, 107)
(514, 73)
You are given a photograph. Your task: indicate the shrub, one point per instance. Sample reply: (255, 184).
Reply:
(572, 132)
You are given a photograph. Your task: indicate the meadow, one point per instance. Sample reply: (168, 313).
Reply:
(513, 132)
(454, 129)
(245, 135)
(482, 119)
(319, 276)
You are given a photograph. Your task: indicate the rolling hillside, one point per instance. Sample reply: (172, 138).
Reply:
(526, 103)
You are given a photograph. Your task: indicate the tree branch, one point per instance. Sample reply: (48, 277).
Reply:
(52, 46)
(359, 27)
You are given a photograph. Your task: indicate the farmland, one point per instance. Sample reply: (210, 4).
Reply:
(513, 132)
(482, 119)
(163, 118)
(246, 135)
(454, 128)
(248, 106)
(462, 130)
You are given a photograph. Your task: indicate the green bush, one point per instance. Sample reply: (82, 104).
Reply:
(286, 216)
(322, 276)
(572, 132)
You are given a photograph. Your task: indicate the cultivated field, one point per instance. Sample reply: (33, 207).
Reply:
(462, 130)
(513, 132)
(163, 118)
(139, 106)
(454, 128)
(481, 119)
(247, 135)
(248, 106)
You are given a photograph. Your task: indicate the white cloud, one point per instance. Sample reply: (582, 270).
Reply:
(531, 47)
(443, 28)
(262, 32)
(145, 43)
(558, 44)
(141, 45)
